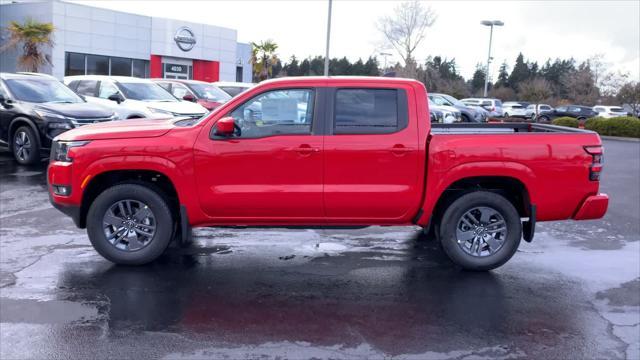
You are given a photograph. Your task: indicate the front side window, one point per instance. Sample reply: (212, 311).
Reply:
(179, 90)
(545, 107)
(562, 109)
(366, 111)
(107, 89)
(41, 91)
(278, 112)
(210, 92)
(87, 87)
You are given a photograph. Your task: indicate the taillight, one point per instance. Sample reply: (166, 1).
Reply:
(597, 156)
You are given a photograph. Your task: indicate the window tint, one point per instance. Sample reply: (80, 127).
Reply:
(39, 90)
(599, 109)
(87, 87)
(74, 64)
(545, 107)
(120, 66)
(616, 109)
(107, 89)
(164, 85)
(562, 108)
(574, 109)
(278, 112)
(366, 111)
(487, 103)
(97, 65)
(530, 107)
(140, 68)
(498, 103)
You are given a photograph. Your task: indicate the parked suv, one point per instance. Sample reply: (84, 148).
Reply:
(575, 111)
(203, 93)
(494, 106)
(132, 97)
(35, 108)
(514, 109)
(468, 113)
(610, 111)
(233, 88)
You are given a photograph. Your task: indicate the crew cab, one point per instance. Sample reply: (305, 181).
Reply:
(364, 153)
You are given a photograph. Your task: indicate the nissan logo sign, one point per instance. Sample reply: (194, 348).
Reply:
(185, 39)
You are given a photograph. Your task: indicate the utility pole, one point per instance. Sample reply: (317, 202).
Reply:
(486, 73)
(326, 54)
(385, 54)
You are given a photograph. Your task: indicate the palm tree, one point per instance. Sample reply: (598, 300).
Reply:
(33, 35)
(263, 57)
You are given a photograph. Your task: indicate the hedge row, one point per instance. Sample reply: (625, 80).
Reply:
(625, 126)
(566, 121)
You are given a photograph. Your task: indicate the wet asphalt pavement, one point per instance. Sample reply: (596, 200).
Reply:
(374, 293)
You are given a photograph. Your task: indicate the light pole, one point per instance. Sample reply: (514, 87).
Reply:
(486, 73)
(326, 54)
(385, 54)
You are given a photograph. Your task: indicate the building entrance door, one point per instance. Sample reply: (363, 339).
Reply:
(177, 71)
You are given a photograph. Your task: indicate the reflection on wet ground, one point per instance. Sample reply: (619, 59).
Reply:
(372, 293)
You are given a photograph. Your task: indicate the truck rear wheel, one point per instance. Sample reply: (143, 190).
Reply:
(480, 231)
(130, 224)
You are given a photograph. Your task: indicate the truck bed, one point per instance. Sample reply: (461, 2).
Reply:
(502, 128)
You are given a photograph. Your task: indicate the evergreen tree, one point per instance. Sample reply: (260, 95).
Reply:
(371, 67)
(477, 80)
(520, 72)
(503, 76)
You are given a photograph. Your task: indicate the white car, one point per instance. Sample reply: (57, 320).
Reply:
(493, 106)
(132, 97)
(233, 88)
(514, 109)
(610, 111)
(533, 110)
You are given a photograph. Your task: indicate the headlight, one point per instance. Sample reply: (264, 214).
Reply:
(60, 125)
(46, 114)
(160, 112)
(60, 149)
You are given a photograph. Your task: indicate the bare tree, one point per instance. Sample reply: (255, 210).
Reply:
(405, 29)
(630, 94)
(535, 90)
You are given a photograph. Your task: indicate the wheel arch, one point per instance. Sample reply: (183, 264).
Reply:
(157, 180)
(18, 121)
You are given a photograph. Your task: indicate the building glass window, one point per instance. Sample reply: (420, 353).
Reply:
(120, 66)
(87, 64)
(238, 73)
(74, 64)
(97, 65)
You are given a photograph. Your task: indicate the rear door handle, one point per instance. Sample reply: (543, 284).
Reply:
(306, 149)
(400, 149)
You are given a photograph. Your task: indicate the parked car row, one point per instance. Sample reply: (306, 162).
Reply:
(35, 108)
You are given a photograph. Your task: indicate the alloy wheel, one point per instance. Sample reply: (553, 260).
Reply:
(481, 231)
(22, 146)
(129, 225)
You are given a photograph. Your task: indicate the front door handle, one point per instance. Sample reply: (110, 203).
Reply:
(306, 149)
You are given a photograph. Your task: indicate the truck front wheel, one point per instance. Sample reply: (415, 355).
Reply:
(480, 231)
(130, 224)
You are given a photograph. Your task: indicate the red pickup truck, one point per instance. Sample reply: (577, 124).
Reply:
(324, 152)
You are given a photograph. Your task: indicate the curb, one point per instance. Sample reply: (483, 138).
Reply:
(619, 138)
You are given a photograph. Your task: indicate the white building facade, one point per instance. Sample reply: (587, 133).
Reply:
(90, 40)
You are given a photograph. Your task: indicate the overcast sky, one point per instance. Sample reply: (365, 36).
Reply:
(538, 29)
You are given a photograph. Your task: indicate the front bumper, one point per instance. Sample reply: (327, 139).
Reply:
(60, 173)
(593, 207)
(70, 210)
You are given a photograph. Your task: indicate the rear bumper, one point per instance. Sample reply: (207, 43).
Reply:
(593, 207)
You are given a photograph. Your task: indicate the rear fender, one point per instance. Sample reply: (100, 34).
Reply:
(439, 180)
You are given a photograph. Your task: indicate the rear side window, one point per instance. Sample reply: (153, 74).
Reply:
(87, 87)
(370, 111)
(499, 103)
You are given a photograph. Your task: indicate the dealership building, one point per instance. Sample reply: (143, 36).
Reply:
(90, 40)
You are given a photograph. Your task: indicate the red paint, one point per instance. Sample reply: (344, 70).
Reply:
(155, 66)
(205, 70)
(339, 179)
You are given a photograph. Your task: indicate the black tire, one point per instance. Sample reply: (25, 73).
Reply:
(543, 119)
(466, 118)
(25, 146)
(462, 205)
(159, 209)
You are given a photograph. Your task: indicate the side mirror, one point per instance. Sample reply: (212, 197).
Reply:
(225, 126)
(116, 97)
(189, 97)
(5, 101)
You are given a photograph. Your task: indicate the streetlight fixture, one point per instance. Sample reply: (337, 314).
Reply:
(385, 54)
(326, 54)
(486, 73)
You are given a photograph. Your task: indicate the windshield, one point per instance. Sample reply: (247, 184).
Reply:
(41, 91)
(210, 92)
(145, 92)
(233, 90)
(453, 100)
